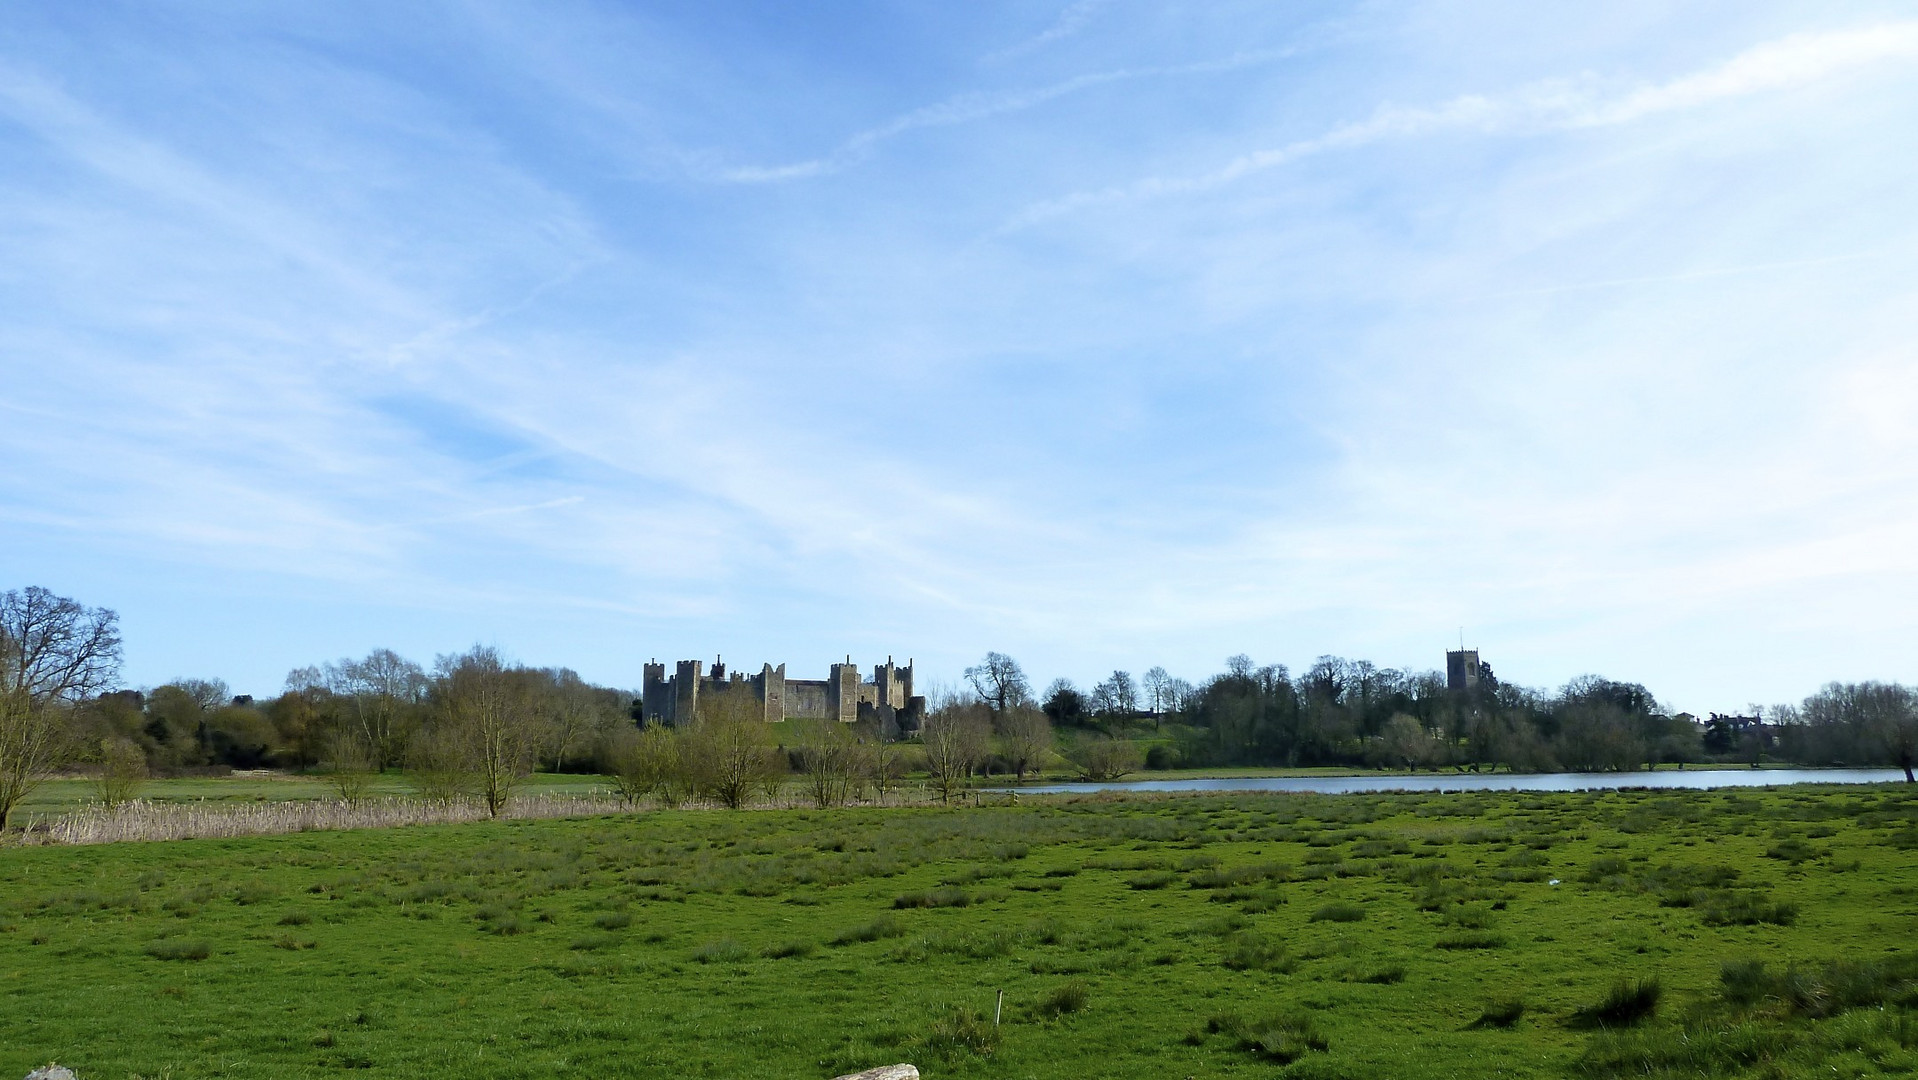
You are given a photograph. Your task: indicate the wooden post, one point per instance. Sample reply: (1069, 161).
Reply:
(998, 1007)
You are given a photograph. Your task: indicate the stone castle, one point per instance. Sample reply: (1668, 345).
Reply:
(886, 699)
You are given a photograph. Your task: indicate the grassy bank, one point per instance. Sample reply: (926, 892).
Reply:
(1243, 935)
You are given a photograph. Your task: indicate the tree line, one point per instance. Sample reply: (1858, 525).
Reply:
(1353, 713)
(475, 725)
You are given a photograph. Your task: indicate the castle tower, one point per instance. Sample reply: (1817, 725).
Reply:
(686, 691)
(656, 695)
(885, 681)
(842, 692)
(772, 692)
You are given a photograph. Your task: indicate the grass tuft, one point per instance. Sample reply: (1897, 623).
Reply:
(1256, 952)
(1501, 1013)
(1471, 939)
(946, 896)
(1628, 1002)
(885, 926)
(721, 951)
(962, 1032)
(179, 949)
(1065, 999)
(1277, 1037)
(1338, 911)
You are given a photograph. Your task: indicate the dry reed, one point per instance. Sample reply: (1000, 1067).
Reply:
(142, 819)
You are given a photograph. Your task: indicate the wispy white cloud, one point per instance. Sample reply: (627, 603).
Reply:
(419, 349)
(969, 107)
(1070, 23)
(1553, 105)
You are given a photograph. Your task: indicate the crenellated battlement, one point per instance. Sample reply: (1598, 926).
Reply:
(885, 699)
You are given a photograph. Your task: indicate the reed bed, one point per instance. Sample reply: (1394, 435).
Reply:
(142, 820)
(152, 820)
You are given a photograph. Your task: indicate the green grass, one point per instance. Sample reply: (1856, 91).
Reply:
(1132, 937)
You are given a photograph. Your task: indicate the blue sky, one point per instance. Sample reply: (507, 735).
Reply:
(1105, 334)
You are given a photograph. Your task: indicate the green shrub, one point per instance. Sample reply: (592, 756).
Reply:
(595, 941)
(614, 920)
(1338, 911)
(295, 918)
(797, 947)
(1156, 880)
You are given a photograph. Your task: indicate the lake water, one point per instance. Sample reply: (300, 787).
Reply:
(1345, 785)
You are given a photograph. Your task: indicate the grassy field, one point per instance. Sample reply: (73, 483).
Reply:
(1759, 933)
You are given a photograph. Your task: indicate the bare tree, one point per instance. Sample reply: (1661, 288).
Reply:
(999, 682)
(955, 738)
(210, 695)
(349, 766)
(1115, 699)
(386, 690)
(1105, 758)
(484, 715)
(570, 712)
(122, 771)
(651, 762)
(1158, 691)
(53, 653)
(1027, 739)
(731, 748)
(887, 764)
(832, 761)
